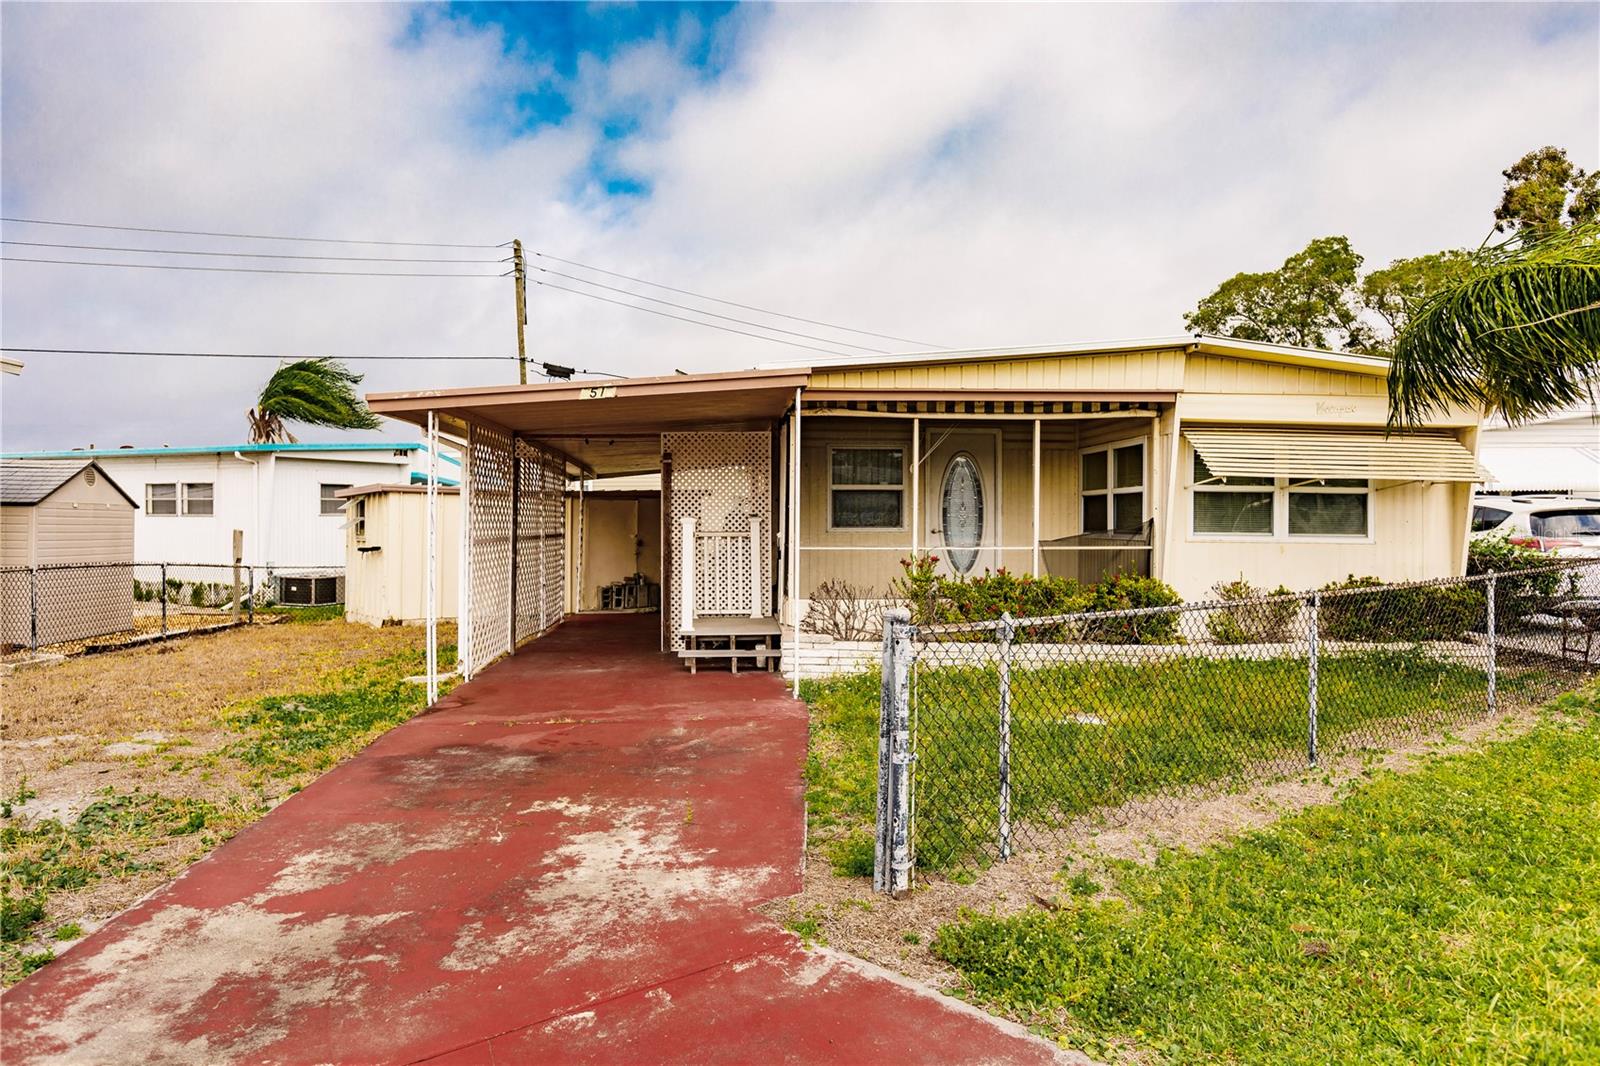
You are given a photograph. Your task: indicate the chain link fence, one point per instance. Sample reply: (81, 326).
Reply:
(68, 609)
(995, 736)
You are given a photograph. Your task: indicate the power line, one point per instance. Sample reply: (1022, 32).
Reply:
(732, 303)
(680, 318)
(249, 270)
(244, 236)
(245, 255)
(710, 314)
(264, 355)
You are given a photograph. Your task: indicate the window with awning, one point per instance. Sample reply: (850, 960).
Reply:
(1236, 452)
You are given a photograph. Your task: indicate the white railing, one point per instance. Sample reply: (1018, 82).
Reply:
(711, 562)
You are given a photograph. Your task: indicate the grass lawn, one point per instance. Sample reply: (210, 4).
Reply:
(1447, 915)
(1092, 735)
(121, 769)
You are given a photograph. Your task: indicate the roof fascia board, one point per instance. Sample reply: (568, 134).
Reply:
(497, 395)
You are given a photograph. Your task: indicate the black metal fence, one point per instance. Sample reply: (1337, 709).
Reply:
(997, 736)
(67, 609)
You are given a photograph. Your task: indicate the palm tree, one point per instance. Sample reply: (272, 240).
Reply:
(1518, 334)
(318, 392)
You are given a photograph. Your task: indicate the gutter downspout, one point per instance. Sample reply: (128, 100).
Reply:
(255, 504)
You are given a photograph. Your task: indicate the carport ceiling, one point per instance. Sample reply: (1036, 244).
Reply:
(612, 426)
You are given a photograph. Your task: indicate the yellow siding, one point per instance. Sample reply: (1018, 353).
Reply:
(1419, 533)
(1220, 373)
(1156, 370)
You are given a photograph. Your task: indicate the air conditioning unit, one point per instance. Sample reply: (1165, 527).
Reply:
(309, 590)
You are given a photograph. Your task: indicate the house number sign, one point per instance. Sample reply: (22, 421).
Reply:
(597, 392)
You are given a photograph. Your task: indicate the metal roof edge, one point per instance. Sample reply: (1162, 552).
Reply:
(220, 449)
(1203, 342)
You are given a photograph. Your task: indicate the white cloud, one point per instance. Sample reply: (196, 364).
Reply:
(962, 175)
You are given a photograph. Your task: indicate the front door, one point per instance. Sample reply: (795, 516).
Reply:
(960, 499)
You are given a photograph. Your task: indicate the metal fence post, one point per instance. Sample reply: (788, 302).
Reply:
(1489, 627)
(251, 577)
(892, 851)
(33, 610)
(1311, 680)
(1005, 633)
(163, 600)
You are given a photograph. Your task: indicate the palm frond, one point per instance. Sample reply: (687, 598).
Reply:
(1518, 334)
(318, 392)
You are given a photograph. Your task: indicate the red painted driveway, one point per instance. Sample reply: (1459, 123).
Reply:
(556, 864)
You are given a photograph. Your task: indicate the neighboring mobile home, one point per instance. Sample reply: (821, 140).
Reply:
(1554, 454)
(59, 515)
(283, 496)
(1192, 459)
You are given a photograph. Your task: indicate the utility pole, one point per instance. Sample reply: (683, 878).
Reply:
(519, 271)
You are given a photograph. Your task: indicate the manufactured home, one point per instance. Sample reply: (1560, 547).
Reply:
(1192, 459)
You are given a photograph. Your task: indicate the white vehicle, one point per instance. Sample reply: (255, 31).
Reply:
(1565, 526)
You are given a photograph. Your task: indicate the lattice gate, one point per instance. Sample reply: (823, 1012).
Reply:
(723, 481)
(515, 544)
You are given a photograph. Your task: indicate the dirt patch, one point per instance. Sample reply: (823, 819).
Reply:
(846, 914)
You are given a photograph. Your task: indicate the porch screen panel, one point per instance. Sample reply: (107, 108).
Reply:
(721, 480)
(489, 544)
(541, 569)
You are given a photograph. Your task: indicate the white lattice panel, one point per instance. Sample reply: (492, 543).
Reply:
(489, 518)
(721, 480)
(541, 569)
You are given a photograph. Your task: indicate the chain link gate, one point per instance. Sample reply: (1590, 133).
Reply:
(999, 735)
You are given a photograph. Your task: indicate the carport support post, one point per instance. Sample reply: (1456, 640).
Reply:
(1311, 680)
(1004, 634)
(433, 557)
(1489, 632)
(891, 871)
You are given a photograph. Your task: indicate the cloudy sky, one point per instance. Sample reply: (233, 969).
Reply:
(957, 176)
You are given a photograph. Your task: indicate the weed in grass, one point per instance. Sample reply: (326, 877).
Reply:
(70, 931)
(18, 915)
(853, 855)
(1081, 884)
(29, 963)
(807, 925)
(22, 795)
(910, 937)
(1448, 915)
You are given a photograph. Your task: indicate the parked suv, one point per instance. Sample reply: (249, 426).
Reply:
(1566, 526)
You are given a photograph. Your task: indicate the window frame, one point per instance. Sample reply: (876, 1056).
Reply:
(183, 499)
(323, 499)
(175, 499)
(903, 488)
(1110, 492)
(1281, 488)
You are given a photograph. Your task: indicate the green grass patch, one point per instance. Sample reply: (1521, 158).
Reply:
(325, 612)
(1448, 915)
(111, 838)
(286, 735)
(1091, 735)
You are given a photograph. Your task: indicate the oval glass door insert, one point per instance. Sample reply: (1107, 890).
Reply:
(961, 512)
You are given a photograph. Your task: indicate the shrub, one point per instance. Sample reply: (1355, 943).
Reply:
(934, 599)
(1400, 612)
(1515, 598)
(844, 611)
(1125, 592)
(1266, 622)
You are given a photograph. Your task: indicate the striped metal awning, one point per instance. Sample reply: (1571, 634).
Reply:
(1315, 453)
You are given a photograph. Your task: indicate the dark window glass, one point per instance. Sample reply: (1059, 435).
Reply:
(1233, 512)
(867, 509)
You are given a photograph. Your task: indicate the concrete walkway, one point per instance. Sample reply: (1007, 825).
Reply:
(556, 864)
